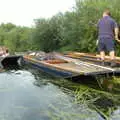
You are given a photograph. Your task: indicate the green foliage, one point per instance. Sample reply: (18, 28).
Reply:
(72, 31)
(75, 30)
(89, 12)
(4, 29)
(15, 38)
(47, 34)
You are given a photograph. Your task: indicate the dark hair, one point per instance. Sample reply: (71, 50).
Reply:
(7, 51)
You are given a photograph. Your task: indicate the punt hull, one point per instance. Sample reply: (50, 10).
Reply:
(50, 69)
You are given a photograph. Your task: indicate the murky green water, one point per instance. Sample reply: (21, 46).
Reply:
(28, 94)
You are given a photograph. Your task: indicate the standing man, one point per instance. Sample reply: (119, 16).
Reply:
(107, 33)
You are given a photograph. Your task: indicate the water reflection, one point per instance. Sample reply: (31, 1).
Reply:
(116, 114)
(28, 94)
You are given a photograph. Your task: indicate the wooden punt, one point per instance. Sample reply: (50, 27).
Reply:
(67, 67)
(53, 67)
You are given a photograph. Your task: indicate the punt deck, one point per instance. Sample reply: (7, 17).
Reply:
(71, 67)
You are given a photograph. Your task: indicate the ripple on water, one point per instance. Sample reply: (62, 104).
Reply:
(32, 95)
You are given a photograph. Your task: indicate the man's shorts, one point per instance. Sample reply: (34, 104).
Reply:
(106, 45)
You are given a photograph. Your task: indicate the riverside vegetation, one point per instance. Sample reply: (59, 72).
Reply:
(73, 30)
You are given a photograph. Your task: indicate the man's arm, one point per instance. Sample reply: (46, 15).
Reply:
(116, 30)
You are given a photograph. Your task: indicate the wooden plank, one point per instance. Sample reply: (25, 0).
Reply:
(90, 55)
(93, 57)
(83, 63)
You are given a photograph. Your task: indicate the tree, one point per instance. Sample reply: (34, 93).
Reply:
(47, 34)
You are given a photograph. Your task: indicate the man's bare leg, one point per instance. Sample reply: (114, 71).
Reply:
(112, 58)
(112, 55)
(102, 55)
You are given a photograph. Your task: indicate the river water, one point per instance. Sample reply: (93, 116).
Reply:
(28, 94)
